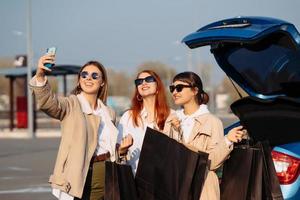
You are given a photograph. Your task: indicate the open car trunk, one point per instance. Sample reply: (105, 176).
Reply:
(276, 120)
(262, 56)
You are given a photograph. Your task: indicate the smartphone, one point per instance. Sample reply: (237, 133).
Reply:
(51, 50)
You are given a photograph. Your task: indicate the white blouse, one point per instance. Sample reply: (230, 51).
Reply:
(103, 145)
(126, 127)
(187, 121)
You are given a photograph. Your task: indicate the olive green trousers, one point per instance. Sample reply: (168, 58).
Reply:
(94, 184)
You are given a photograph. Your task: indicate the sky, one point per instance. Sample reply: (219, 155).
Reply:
(123, 34)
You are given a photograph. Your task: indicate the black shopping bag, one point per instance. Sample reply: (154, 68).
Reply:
(271, 189)
(168, 170)
(119, 182)
(249, 174)
(236, 173)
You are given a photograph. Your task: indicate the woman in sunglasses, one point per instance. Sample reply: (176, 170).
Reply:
(88, 134)
(149, 109)
(196, 127)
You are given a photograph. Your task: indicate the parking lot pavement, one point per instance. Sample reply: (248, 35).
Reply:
(25, 165)
(23, 134)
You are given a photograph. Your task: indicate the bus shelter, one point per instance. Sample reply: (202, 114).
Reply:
(21, 72)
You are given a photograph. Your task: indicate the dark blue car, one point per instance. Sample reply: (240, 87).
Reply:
(262, 56)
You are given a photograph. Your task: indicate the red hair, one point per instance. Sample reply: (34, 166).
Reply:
(161, 107)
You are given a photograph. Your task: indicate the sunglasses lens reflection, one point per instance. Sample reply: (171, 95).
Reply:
(85, 75)
(178, 87)
(148, 79)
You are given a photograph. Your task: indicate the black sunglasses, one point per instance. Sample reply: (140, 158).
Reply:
(178, 87)
(94, 75)
(148, 79)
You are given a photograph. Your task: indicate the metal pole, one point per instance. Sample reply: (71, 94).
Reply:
(29, 74)
(65, 84)
(11, 103)
(189, 60)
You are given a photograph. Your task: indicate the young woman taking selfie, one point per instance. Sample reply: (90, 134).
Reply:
(88, 133)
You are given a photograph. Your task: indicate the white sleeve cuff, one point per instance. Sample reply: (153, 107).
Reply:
(228, 142)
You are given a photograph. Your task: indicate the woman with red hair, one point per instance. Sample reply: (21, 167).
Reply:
(149, 109)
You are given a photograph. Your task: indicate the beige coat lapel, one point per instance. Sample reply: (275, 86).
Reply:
(199, 128)
(92, 125)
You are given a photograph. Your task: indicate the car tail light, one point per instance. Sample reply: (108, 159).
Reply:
(287, 167)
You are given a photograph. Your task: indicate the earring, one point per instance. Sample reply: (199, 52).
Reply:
(139, 97)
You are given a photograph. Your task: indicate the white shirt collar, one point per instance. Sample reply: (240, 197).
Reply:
(201, 110)
(86, 108)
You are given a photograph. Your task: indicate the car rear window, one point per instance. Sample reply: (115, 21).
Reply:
(269, 67)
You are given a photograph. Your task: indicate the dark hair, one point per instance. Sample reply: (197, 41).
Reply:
(195, 81)
(102, 93)
(161, 107)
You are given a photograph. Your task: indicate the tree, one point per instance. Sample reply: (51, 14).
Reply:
(204, 70)
(165, 72)
(5, 62)
(227, 87)
(119, 83)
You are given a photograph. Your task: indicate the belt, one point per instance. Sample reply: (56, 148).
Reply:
(101, 157)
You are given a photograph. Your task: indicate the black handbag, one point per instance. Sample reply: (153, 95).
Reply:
(119, 182)
(249, 174)
(168, 170)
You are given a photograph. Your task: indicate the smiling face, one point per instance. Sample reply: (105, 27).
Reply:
(146, 89)
(91, 79)
(185, 96)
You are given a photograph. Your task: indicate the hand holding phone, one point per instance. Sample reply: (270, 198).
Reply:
(50, 51)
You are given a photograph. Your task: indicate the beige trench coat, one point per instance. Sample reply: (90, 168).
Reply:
(78, 141)
(207, 136)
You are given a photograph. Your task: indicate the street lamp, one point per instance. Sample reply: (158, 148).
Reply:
(29, 74)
